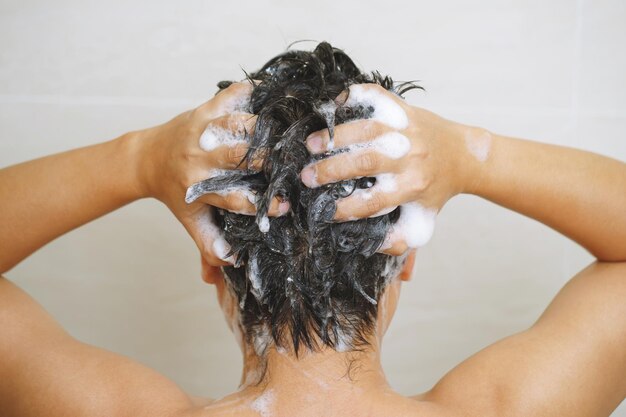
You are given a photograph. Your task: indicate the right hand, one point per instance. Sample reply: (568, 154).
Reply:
(420, 161)
(173, 160)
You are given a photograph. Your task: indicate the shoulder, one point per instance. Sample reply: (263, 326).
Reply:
(572, 361)
(44, 371)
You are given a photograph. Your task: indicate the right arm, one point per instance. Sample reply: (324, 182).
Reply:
(572, 361)
(578, 193)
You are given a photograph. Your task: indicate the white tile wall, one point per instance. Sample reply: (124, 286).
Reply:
(74, 72)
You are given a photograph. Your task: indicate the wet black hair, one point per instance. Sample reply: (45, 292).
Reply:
(307, 281)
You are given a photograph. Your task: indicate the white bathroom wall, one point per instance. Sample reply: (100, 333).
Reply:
(75, 72)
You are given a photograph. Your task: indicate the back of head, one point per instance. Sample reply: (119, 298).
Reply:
(302, 279)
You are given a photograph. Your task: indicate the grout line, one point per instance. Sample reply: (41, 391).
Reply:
(97, 100)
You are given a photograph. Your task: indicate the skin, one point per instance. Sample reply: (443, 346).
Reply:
(439, 165)
(571, 362)
(159, 162)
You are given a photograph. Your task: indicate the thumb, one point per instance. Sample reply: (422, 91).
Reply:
(209, 237)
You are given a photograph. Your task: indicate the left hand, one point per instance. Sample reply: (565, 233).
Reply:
(186, 150)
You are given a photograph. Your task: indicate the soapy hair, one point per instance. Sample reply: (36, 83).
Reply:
(305, 281)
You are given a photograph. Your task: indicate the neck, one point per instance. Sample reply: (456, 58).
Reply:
(350, 383)
(328, 371)
(313, 384)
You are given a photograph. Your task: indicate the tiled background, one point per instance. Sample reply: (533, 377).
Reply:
(74, 72)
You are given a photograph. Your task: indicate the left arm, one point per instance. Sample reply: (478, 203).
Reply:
(44, 371)
(47, 197)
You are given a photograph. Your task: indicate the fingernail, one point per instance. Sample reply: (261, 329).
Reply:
(251, 196)
(283, 208)
(309, 177)
(314, 143)
(221, 249)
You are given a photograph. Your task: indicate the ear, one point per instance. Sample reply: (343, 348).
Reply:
(211, 274)
(407, 269)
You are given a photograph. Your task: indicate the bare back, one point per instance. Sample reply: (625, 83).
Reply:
(571, 362)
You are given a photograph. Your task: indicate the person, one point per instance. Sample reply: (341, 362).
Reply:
(307, 189)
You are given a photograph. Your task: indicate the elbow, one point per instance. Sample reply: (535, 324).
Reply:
(5, 266)
(616, 254)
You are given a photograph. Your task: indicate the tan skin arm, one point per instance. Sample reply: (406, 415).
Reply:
(580, 194)
(44, 371)
(45, 198)
(48, 197)
(572, 362)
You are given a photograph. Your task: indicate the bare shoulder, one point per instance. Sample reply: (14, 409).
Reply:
(383, 403)
(44, 371)
(572, 361)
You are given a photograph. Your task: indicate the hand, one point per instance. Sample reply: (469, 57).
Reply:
(189, 149)
(419, 161)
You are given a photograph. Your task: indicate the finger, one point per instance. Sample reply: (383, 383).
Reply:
(235, 122)
(388, 108)
(340, 100)
(346, 134)
(229, 156)
(354, 164)
(413, 229)
(234, 99)
(209, 237)
(240, 202)
(394, 247)
(214, 260)
(367, 203)
(227, 130)
(255, 164)
(278, 207)
(232, 157)
(244, 202)
(217, 253)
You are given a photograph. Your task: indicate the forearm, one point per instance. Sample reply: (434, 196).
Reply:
(45, 198)
(578, 193)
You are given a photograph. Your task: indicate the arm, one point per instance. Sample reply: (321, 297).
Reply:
(44, 371)
(47, 197)
(580, 194)
(572, 361)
